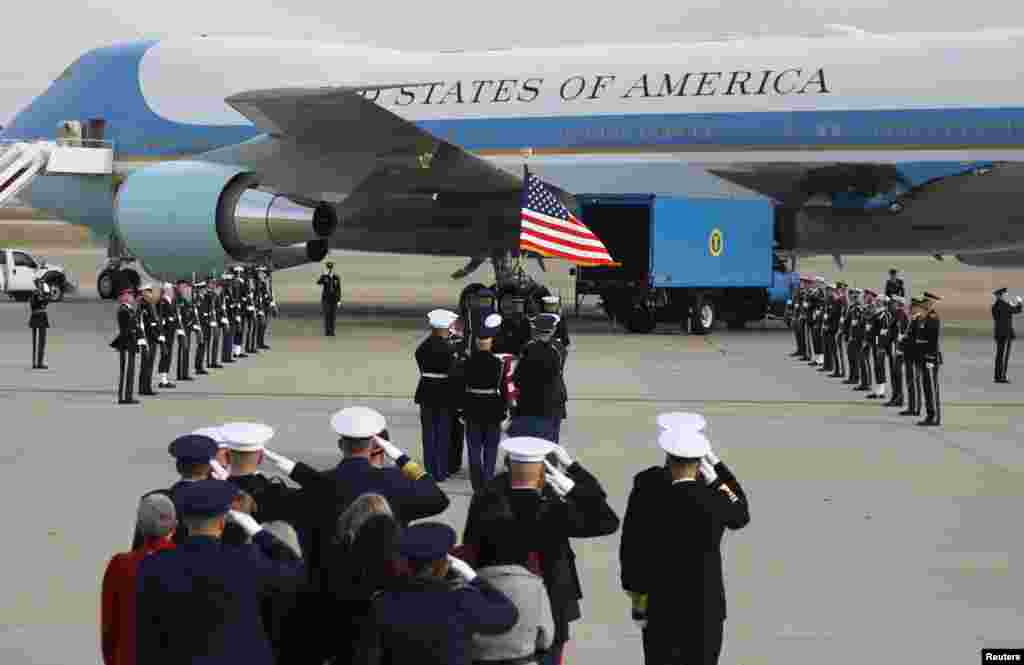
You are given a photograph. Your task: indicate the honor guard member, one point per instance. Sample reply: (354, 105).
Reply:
(540, 408)
(796, 318)
(878, 341)
(839, 308)
(193, 454)
(894, 285)
(252, 311)
(246, 445)
(817, 322)
(515, 327)
(828, 326)
(553, 305)
(169, 334)
(682, 614)
(38, 321)
(1002, 316)
(484, 402)
(330, 298)
(201, 316)
(434, 393)
(230, 318)
(268, 307)
(864, 334)
(425, 619)
(186, 326)
(912, 359)
(241, 311)
(457, 427)
(201, 602)
(149, 320)
(552, 501)
(479, 305)
(218, 319)
(930, 354)
(853, 311)
(127, 344)
(897, 335)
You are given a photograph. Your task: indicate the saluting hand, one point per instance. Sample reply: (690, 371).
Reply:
(390, 449)
(280, 461)
(461, 568)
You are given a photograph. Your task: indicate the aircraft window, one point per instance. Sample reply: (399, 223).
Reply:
(22, 260)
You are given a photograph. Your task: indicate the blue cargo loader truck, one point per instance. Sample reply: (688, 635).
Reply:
(685, 260)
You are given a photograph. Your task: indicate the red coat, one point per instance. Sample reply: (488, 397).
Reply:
(117, 611)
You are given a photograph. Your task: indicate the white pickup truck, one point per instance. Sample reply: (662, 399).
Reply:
(19, 270)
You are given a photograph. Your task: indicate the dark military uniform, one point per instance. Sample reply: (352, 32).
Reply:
(200, 602)
(550, 522)
(912, 366)
(435, 358)
(539, 377)
(1002, 317)
(274, 499)
(833, 332)
(897, 358)
(232, 311)
(38, 321)
(432, 622)
(201, 314)
(185, 324)
(126, 344)
(241, 297)
(267, 306)
(816, 327)
(513, 336)
(931, 359)
(865, 348)
(484, 402)
(850, 332)
(218, 324)
(330, 296)
(878, 341)
(168, 314)
(894, 287)
(150, 322)
(795, 312)
(686, 606)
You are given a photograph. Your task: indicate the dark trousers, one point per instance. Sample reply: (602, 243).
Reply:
(38, 346)
(1003, 346)
(554, 655)
(261, 331)
(685, 643)
(840, 369)
(828, 344)
(250, 333)
(228, 334)
(864, 360)
(798, 334)
(147, 360)
(330, 309)
(184, 348)
(853, 357)
(436, 422)
(239, 329)
(213, 348)
(482, 441)
(808, 344)
(816, 340)
(202, 342)
(126, 379)
(878, 356)
(911, 366)
(458, 437)
(930, 382)
(166, 354)
(542, 427)
(896, 371)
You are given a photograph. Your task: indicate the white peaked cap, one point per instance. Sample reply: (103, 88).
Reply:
(358, 422)
(549, 299)
(441, 318)
(246, 437)
(168, 285)
(214, 433)
(149, 286)
(492, 321)
(688, 443)
(526, 448)
(682, 420)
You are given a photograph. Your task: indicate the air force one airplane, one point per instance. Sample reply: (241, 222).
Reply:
(238, 149)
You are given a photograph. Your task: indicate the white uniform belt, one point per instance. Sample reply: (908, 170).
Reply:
(432, 375)
(483, 391)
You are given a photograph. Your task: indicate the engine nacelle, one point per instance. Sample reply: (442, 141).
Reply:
(1009, 259)
(186, 217)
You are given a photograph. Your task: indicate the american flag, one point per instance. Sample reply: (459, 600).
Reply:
(549, 229)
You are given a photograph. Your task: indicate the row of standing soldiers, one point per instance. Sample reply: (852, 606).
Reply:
(221, 320)
(873, 342)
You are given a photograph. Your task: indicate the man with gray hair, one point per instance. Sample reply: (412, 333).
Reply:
(157, 521)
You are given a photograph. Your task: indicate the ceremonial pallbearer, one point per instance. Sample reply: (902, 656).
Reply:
(127, 343)
(1002, 317)
(897, 334)
(169, 320)
(912, 359)
(435, 358)
(931, 359)
(675, 576)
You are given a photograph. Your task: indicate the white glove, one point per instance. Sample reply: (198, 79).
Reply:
(708, 471)
(217, 471)
(213, 324)
(250, 308)
(561, 483)
(161, 339)
(1019, 300)
(562, 455)
(712, 458)
(248, 524)
(224, 320)
(196, 327)
(238, 319)
(280, 461)
(390, 449)
(461, 568)
(181, 333)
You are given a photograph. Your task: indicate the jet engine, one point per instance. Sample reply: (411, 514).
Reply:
(189, 217)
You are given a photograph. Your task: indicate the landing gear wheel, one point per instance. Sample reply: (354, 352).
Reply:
(704, 316)
(105, 285)
(56, 291)
(640, 320)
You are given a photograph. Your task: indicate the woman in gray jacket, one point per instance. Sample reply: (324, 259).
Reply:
(502, 559)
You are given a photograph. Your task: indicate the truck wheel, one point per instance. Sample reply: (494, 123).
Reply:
(56, 283)
(704, 316)
(105, 285)
(640, 320)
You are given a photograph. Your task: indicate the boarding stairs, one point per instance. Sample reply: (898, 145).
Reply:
(21, 162)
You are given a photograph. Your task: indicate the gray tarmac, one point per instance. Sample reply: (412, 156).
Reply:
(871, 540)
